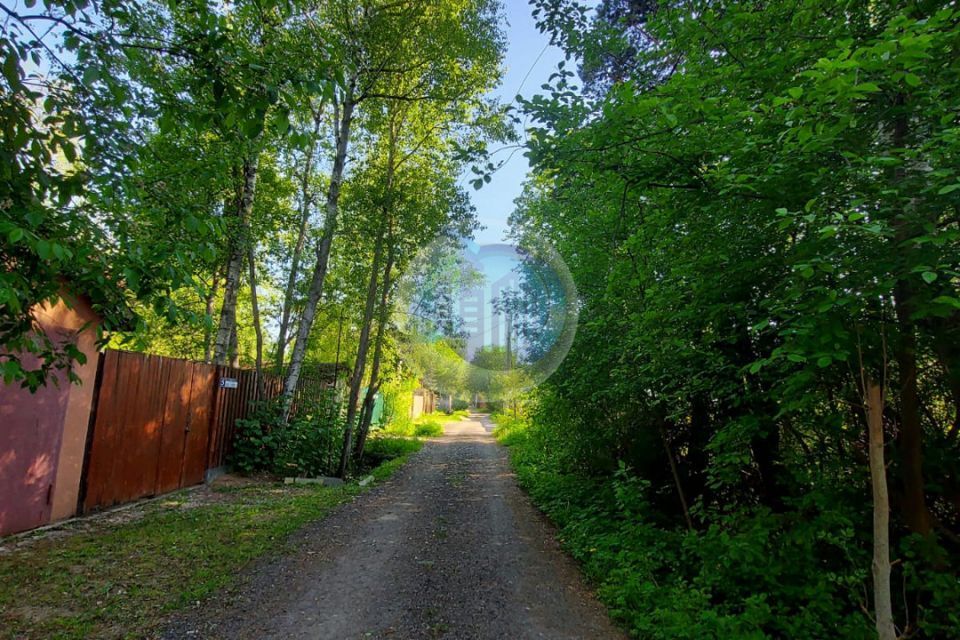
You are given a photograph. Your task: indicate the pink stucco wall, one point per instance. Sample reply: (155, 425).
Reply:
(42, 434)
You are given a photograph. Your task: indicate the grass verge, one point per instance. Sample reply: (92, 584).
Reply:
(429, 425)
(122, 581)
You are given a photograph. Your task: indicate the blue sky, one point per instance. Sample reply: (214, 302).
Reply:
(494, 201)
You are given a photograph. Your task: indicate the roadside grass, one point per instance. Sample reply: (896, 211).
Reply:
(429, 425)
(121, 582)
(383, 450)
(509, 431)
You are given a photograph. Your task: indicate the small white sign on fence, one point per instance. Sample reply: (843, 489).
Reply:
(228, 383)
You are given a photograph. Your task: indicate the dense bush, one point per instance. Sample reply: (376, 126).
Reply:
(307, 445)
(744, 573)
(428, 429)
(398, 404)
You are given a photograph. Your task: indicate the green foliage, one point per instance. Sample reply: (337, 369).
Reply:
(427, 425)
(428, 429)
(305, 445)
(746, 576)
(759, 211)
(257, 440)
(383, 448)
(127, 126)
(430, 425)
(398, 404)
(509, 430)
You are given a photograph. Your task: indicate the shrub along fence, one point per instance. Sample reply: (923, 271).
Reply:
(157, 424)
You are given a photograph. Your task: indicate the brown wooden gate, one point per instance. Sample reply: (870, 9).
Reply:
(151, 429)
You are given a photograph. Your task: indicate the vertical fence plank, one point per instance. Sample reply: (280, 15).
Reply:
(176, 395)
(131, 376)
(197, 438)
(213, 452)
(98, 460)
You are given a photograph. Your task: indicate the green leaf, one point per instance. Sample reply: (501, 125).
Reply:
(912, 79)
(950, 188)
(90, 75)
(948, 300)
(132, 279)
(11, 68)
(44, 249)
(928, 276)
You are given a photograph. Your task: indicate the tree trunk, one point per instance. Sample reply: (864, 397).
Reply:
(361, 362)
(915, 511)
(676, 478)
(323, 248)
(882, 598)
(237, 254)
(306, 199)
(698, 438)
(208, 331)
(366, 415)
(766, 452)
(258, 329)
(366, 419)
(228, 308)
(233, 351)
(374, 386)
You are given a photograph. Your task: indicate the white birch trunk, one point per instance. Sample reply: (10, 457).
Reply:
(323, 249)
(237, 254)
(882, 597)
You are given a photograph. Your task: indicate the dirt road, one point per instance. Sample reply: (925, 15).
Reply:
(448, 548)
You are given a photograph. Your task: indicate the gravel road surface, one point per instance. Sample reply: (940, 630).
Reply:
(449, 547)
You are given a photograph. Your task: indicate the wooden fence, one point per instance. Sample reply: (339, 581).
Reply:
(159, 424)
(424, 401)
